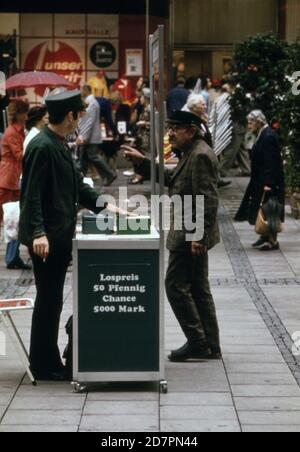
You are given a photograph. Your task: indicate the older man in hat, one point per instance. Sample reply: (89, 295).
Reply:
(52, 191)
(187, 281)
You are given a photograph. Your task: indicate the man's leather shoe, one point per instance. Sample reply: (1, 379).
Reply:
(19, 265)
(60, 374)
(190, 352)
(216, 354)
(52, 376)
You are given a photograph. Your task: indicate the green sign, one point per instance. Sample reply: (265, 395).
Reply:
(118, 311)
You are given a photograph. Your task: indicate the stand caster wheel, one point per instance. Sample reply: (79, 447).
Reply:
(77, 388)
(163, 387)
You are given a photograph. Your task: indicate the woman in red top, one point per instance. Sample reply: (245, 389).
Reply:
(11, 161)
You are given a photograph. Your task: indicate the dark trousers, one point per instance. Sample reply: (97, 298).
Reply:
(189, 294)
(49, 279)
(89, 154)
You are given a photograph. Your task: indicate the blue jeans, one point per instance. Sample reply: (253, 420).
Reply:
(12, 253)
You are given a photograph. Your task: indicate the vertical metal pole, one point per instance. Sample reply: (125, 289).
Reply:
(5, 121)
(171, 40)
(160, 151)
(152, 119)
(161, 32)
(156, 53)
(147, 34)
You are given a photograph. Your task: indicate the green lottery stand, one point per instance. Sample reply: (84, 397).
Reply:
(118, 292)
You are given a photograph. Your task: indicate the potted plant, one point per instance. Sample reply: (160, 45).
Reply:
(260, 75)
(290, 115)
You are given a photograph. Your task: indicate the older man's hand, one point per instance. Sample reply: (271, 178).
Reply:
(132, 154)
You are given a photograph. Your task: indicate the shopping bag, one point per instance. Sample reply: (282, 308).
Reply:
(269, 217)
(11, 217)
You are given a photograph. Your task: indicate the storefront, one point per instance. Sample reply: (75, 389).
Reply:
(77, 41)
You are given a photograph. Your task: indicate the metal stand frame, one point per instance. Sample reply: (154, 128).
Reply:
(157, 132)
(5, 315)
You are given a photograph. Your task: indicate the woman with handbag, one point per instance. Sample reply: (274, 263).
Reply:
(263, 203)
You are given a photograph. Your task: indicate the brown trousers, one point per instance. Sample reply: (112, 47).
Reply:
(189, 294)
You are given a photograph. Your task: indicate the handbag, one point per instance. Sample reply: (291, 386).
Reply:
(268, 218)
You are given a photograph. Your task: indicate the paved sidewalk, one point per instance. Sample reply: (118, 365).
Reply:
(255, 387)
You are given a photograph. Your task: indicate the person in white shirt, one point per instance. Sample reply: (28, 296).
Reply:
(38, 118)
(90, 139)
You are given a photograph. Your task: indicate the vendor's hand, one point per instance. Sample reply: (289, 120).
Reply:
(198, 249)
(132, 154)
(121, 212)
(141, 124)
(116, 210)
(267, 189)
(41, 247)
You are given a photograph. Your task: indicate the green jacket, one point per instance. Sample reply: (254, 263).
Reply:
(52, 190)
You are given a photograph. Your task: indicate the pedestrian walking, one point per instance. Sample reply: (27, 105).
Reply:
(267, 178)
(10, 172)
(90, 139)
(38, 118)
(236, 150)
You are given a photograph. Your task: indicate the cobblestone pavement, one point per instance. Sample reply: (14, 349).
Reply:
(255, 387)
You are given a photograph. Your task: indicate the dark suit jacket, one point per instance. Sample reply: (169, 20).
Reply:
(196, 174)
(52, 190)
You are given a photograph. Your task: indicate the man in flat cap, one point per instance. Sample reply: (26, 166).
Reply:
(187, 281)
(52, 191)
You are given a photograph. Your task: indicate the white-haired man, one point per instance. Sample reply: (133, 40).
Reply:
(196, 104)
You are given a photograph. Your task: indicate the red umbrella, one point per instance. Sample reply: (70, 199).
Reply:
(37, 79)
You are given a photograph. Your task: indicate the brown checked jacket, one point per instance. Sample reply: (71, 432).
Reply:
(196, 174)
